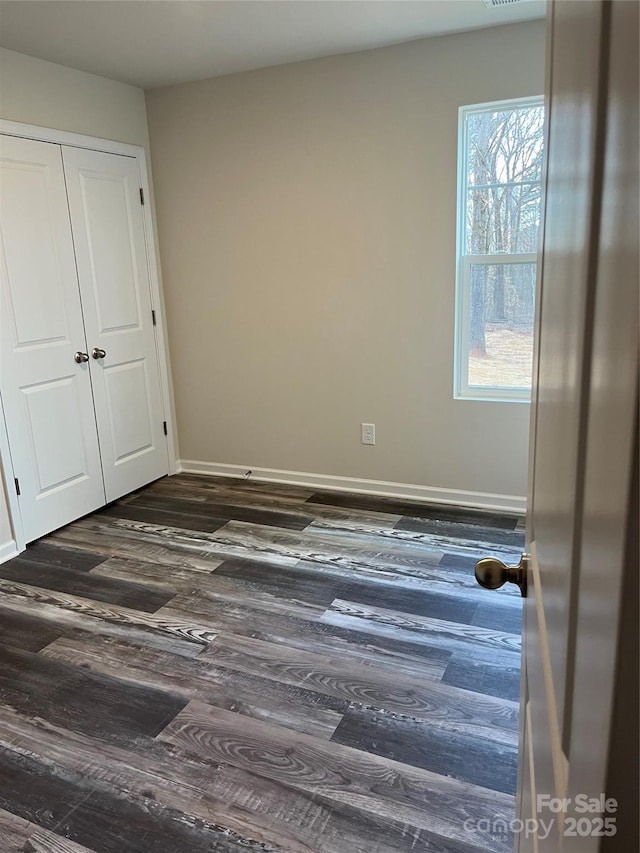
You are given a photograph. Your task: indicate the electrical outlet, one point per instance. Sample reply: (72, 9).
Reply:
(368, 433)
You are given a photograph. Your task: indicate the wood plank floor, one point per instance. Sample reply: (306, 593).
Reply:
(224, 665)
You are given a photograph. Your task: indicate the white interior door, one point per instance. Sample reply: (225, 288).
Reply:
(46, 394)
(106, 216)
(584, 435)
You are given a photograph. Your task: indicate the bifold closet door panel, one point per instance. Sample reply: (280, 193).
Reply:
(108, 233)
(46, 393)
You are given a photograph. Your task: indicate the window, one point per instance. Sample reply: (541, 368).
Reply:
(499, 190)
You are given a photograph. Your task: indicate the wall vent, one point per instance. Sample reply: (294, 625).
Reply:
(490, 4)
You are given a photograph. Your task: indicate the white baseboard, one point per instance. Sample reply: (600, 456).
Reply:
(407, 491)
(8, 550)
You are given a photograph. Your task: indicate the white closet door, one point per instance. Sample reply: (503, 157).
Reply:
(46, 394)
(108, 233)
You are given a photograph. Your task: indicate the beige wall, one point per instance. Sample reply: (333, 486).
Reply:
(307, 234)
(49, 95)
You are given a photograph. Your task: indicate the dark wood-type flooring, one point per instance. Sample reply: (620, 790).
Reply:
(225, 665)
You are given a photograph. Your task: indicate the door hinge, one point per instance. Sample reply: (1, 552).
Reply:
(17, 482)
(141, 196)
(164, 427)
(153, 316)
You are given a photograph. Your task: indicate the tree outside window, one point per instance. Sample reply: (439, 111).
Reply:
(501, 156)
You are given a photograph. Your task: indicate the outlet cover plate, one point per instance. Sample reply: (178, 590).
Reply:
(368, 433)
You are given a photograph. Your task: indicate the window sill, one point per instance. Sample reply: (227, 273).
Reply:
(488, 398)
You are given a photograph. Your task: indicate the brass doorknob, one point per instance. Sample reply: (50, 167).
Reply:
(96, 352)
(79, 357)
(492, 573)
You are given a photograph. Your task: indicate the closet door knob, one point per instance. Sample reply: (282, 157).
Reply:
(96, 352)
(79, 357)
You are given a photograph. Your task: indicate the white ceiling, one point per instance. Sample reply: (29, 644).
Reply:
(149, 43)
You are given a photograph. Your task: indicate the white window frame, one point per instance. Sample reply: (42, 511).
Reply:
(461, 388)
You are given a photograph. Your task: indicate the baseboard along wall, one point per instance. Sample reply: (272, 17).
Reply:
(8, 550)
(382, 488)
